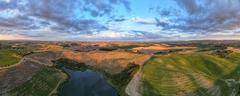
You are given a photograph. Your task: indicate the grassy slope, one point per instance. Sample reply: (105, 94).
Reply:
(42, 84)
(191, 74)
(121, 80)
(8, 57)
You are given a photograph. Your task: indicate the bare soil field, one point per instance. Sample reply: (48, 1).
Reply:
(159, 47)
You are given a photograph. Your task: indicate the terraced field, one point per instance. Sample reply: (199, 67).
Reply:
(44, 83)
(8, 57)
(195, 74)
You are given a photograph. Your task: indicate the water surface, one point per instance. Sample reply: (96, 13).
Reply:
(88, 83)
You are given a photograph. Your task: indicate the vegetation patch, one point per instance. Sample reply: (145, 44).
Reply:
(44, 83)
(125, 46)
(121, 80)
(71, 64)
(107, 49)
(9, 57)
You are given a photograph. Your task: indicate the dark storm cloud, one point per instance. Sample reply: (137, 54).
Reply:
(208, 15)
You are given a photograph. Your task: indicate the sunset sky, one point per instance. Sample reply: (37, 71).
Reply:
(123, 20)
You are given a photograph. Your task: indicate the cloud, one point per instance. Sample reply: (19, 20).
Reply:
(119, 19)
(208, 15)
(59, 16)
(151, 21)
(190, 6)
(15, 37)
(148, 35)
(112, 34)
(21, 22)
(7, 1)
(165, 13)
(144, 21)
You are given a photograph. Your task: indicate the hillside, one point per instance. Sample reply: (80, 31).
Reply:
(196, 74)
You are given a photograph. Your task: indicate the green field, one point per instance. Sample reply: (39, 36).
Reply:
(196, 74)
(9, 57)
(46, 81)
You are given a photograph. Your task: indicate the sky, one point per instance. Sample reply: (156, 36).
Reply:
(119, 20)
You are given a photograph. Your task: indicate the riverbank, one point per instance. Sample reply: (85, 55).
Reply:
(118, 81)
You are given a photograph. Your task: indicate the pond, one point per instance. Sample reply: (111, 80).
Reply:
(87, 83)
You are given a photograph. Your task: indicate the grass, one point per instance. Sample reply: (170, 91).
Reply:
(234, 57)
(41, 84)
(197, 74)
(9, 57)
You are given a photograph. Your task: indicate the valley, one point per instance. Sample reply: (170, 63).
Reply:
(127, 68)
